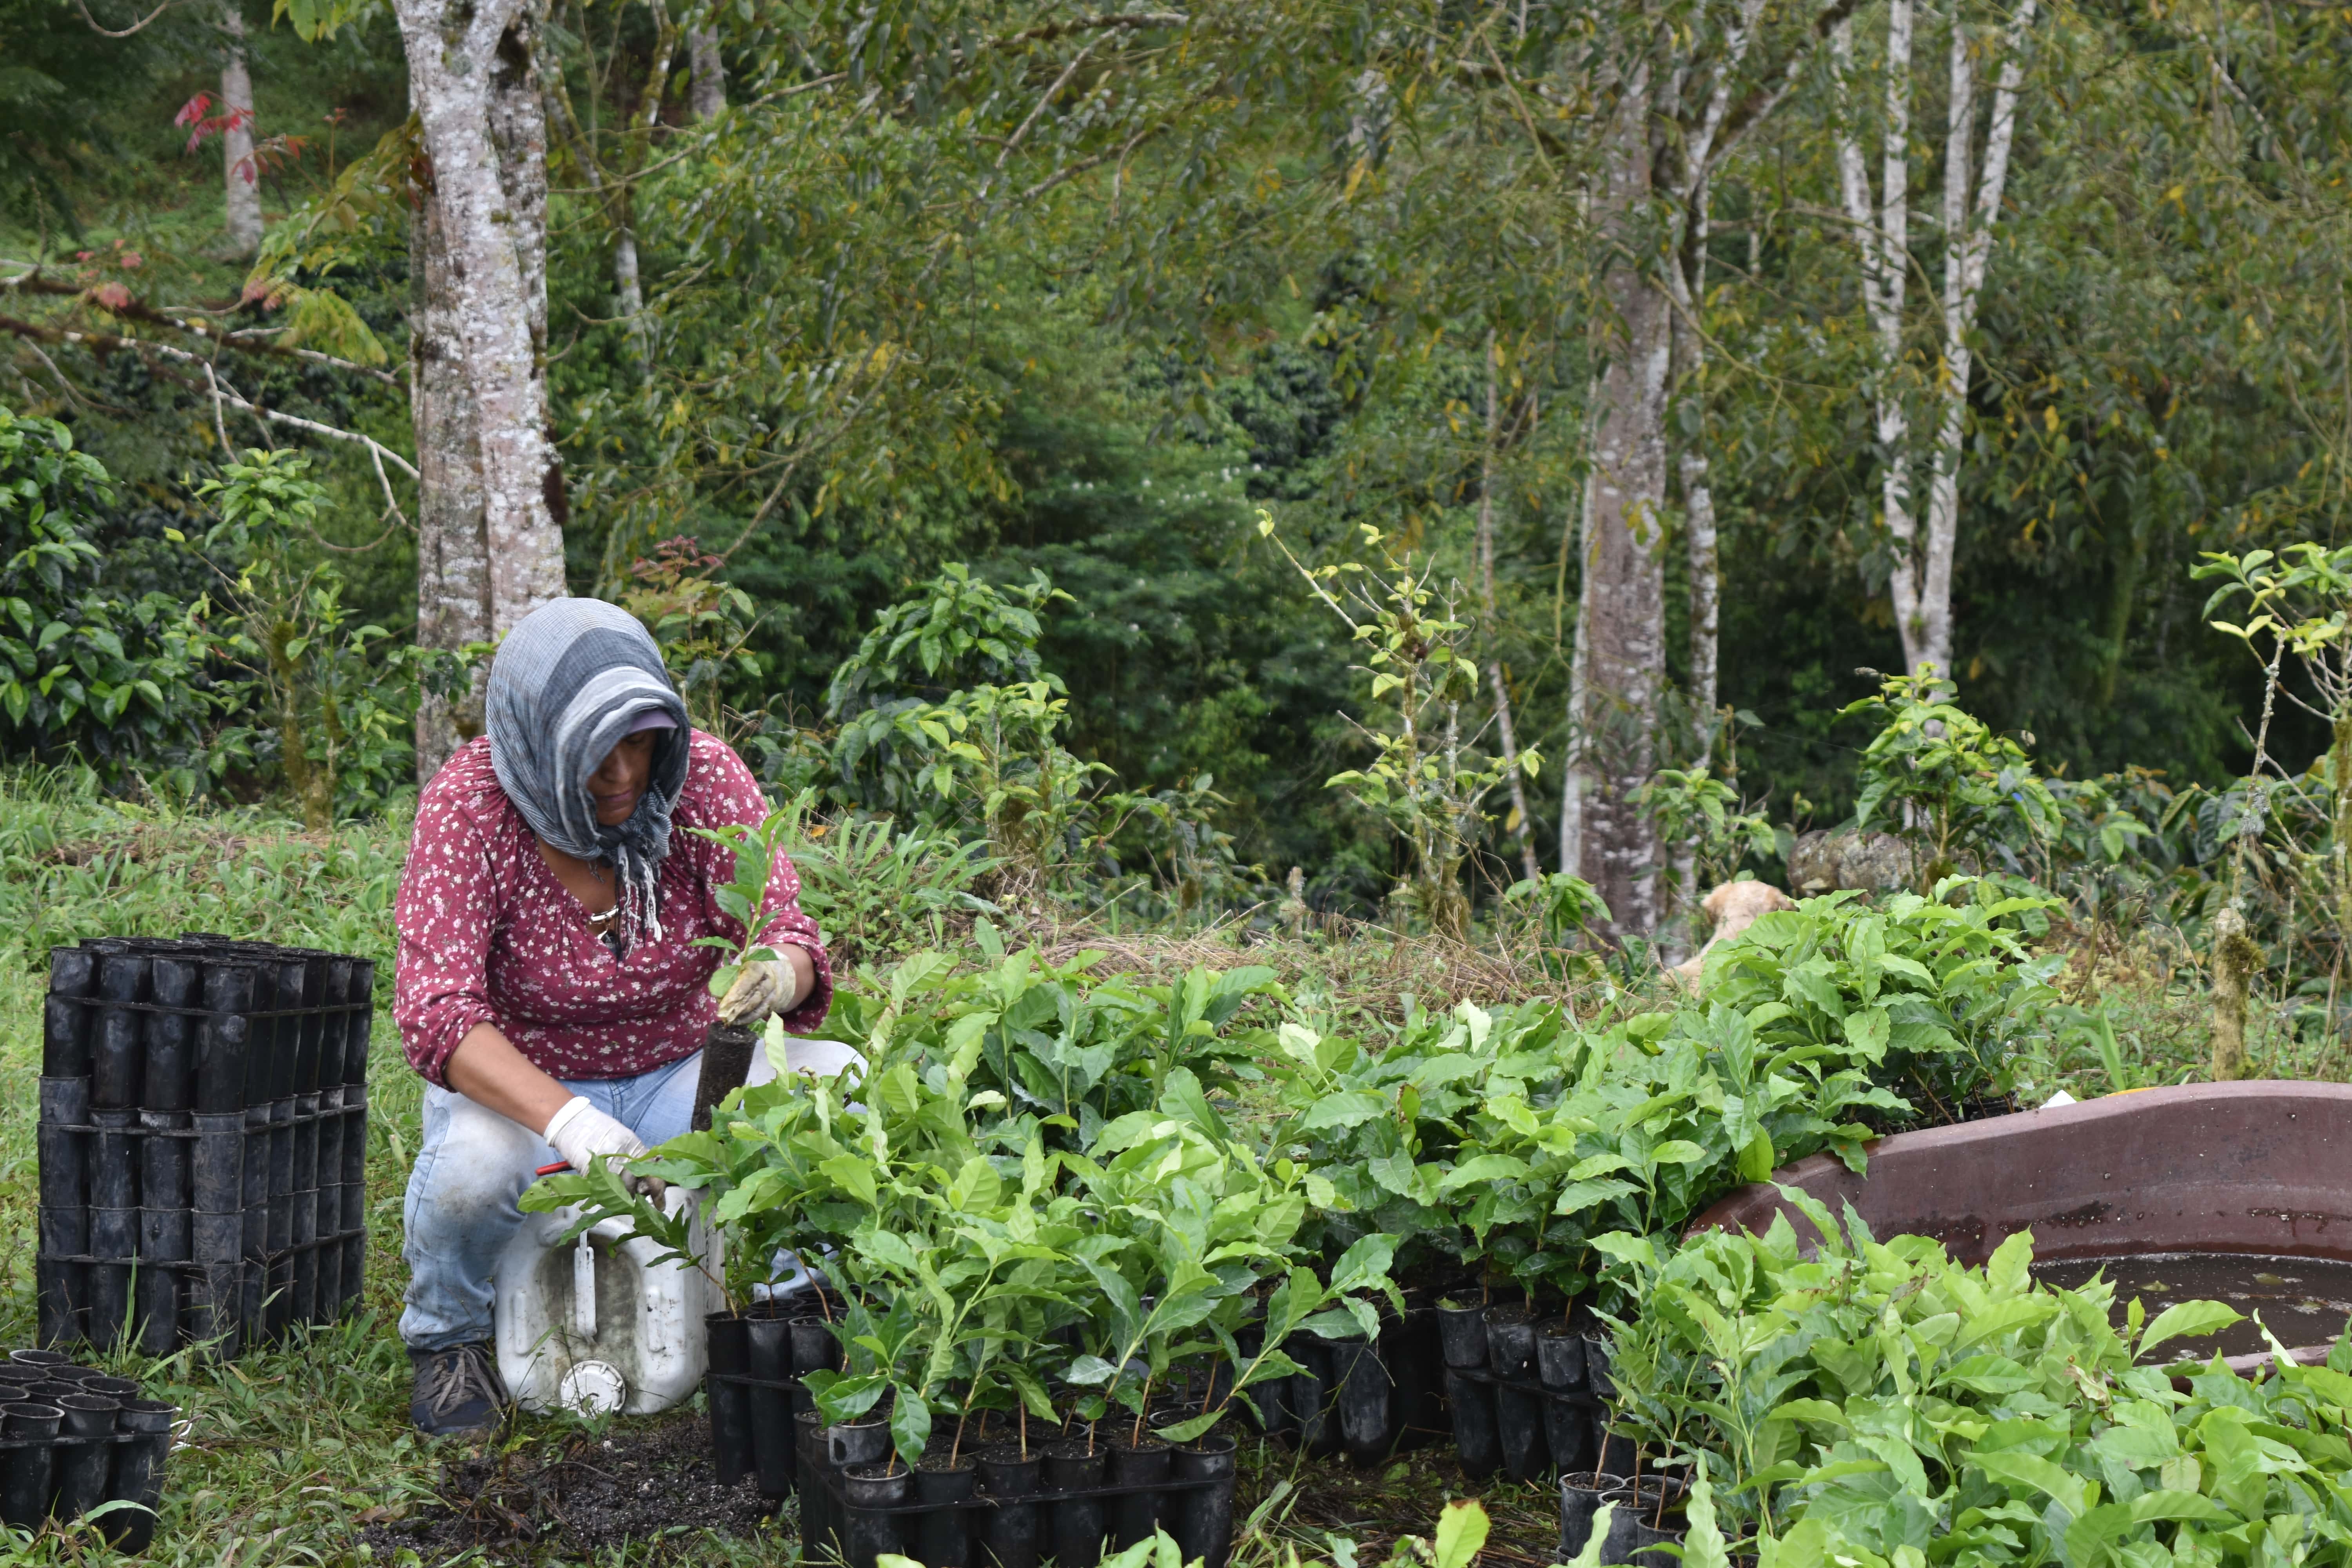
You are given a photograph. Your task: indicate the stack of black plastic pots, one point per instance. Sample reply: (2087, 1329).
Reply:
(993, 1505)
(754, 1389)
(1368, 1399)
(72, 1439)
(203, 1141)
(1648, 1515)
(1529, 1391)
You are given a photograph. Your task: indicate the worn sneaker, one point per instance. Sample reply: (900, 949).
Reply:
(458, 1392)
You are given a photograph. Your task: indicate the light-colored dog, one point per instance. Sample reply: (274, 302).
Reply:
(1733, 907)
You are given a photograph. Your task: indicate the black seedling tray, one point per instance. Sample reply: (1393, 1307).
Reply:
(55, 1475)
(764, 1428)
(203, 1141)
(1507, 1417)
(1077, 1527)
(1368, 1406)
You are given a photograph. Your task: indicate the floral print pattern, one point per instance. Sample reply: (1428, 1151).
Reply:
(488, 935)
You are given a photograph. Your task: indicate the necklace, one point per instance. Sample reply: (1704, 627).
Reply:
(601, 923)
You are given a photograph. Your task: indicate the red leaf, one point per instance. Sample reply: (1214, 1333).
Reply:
(193, 110)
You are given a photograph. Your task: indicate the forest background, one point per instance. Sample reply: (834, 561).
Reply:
(1204, 314)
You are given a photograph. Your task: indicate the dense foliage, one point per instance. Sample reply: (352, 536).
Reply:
(1048, 1190)
(1874, 1403)
(82, 669)
(889, 330)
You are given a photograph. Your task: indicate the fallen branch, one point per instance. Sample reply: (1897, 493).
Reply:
(31, 281)
(109, 343)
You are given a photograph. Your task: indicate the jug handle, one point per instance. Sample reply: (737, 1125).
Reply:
(583, 1289)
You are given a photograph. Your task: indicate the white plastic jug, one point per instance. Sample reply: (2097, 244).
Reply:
(598, 1325)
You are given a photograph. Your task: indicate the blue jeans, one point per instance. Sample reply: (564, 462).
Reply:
(461, 1209)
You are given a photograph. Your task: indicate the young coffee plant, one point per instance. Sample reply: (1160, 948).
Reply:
(1429, 778)
(1938, 997)
(1861, 1402)
(1378, 1127)
(743, 897)
(1966, 795)
(123, 682)
(1058, 1044)
(336, 699)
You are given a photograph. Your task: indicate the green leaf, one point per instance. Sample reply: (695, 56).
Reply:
(1589, 1557)
(1575, 1198)
(1867, 1032)
(2033, 1473)
(1462, 1531)
(1185, 1431)
(1343, 1110)
(910, 1425)
(1703, 1542)
(851, 1175)
(1482, 1168)
(2186, 1319)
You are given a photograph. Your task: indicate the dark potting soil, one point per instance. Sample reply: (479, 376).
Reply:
(569, 1496)
(1403, 1496)
(2305, 1300)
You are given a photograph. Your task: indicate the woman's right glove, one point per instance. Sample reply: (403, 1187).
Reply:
(584, 1135)
(764, 987)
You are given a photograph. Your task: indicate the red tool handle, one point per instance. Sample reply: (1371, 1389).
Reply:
(551, 1169)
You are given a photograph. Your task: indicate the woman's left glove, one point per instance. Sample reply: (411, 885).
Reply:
(767, 985)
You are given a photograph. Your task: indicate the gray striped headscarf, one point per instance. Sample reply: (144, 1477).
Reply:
(566, 686)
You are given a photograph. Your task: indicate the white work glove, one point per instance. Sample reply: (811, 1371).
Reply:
(767, 985)
(584, 1135)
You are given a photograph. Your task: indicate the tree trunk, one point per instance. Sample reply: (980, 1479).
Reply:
(1967, 247)
(707, 94)
(490, 545)
(2235, 959)
(1495, 681)
(1579, 530)
(477, 95)
(1621, 628)
(1885, 240)
(242, 187)
(1687, 277)
(453, 566)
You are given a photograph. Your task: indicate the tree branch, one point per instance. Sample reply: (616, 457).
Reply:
(1758, 105)
(109, 343)
(108, 32)
(31, 282)
(1125, 19)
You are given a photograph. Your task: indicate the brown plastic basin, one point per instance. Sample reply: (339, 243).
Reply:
(2261, 1167)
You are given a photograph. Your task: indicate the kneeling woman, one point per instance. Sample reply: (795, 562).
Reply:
(549, 987)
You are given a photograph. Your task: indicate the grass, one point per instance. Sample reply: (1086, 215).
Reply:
(289, 1452)
(303, 1453)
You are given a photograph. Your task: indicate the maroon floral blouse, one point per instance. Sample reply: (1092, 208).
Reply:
(488, 935)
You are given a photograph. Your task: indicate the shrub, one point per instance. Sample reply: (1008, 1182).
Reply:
(334, 701)
(1969, 795)
(1877, 1404)
(122, 684)
(1937, 997)
(1058, 1044)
